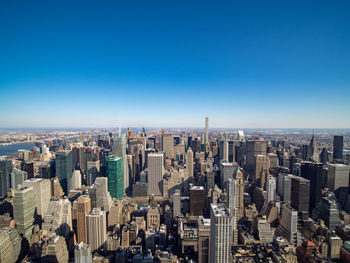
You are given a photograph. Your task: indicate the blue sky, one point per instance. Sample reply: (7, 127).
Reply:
(171, 63)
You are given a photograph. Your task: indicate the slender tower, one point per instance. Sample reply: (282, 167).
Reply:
(206, 141)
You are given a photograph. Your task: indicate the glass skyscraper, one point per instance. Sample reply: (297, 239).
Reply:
(64, 169)
(114, 171)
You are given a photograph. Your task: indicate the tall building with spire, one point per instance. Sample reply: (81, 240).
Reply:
(313, 151)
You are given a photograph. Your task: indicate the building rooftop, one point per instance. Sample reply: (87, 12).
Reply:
(219, 210)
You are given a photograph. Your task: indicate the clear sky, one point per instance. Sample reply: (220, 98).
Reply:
(171, 63)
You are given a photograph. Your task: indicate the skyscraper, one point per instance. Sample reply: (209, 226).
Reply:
(97, 229)
(58, 217)
(176, 203)
(189, 162)
(76, 180)
(221, 234)
(206, 140)
(155, 173)
(231, 206)
(226, 171)
(288, 228)
(300, 195)
(338, 148)
(5, 171)
(313, 172)
(271, 188)
(238, 176)
(338, 177)
(64, 169)
(197, 200)
(119, 148)
(254, 147)
(168, 145)
(18, 177)
(42, 188)
(82, 207)
(82, 253)
(114, 172)
(262, 166)
(24, 200)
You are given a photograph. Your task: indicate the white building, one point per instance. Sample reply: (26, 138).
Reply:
(96, 229)
(42, 188)
(221, 234)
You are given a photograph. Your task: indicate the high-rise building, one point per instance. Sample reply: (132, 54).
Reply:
(56, 189)
(92, 171)
(226, 171)
(287, 188)
(82, 253)
(24, 200)
(231, 206)
(5, 171)
(203, 240)
(64, 169)
(253, 148)
(313, 151)
(114, 172)
(177, 203)
(153, 218)
(18, 177)
(82, 207)
(189, 162)
(238, 176)
(155, 173)
(76, 180)
(262, 166)
(119, 148)
(97, 229)
(338, 148)
(54, 250)
(206, 139)
(42, 188)
(300, 195)
(10, 245)
(271, 189)
(107, 201)
(221, 234)
(338, 177)
(288, 228)
(197, 200)
(168, 145)
(58, 217)
(313, 172)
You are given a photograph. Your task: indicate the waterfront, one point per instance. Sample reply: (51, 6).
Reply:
(13, 148)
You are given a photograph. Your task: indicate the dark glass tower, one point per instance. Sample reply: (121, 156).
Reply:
(313, 172)
(338, 148)
(64, 169)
